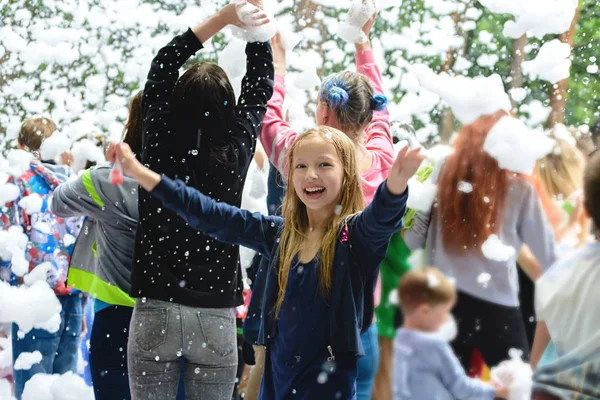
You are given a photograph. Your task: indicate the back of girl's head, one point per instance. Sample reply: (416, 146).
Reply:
(294, 212)
(133, 126)
(351, 97)
(203, 106)
(591, 188)
(467, 218)
(561, 171)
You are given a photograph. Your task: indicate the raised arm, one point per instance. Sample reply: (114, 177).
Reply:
(378, 133)
(257, 89)
(277, 135)
(164, 72)
(221, 221)
(382, 218)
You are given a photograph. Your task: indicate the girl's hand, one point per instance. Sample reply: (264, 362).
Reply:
(122, 153)
(131, 167)
(406, 165)
(279, 59)
(244, 14)
(66, 158)
(366, 28)
(369, 25)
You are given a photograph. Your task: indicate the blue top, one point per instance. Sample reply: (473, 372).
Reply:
(426, 368)
(360, 249)
(275, 194)
(299, 367)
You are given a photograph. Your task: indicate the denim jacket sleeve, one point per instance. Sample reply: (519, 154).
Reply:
(373, 228)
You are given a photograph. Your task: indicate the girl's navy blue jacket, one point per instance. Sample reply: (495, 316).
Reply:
(361, 247)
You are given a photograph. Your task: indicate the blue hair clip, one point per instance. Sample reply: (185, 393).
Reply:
(334, 92)
(379, 102)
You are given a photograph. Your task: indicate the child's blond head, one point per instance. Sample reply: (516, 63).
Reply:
(34, 131)
(425, 286)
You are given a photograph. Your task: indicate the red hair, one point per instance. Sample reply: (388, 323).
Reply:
(467, 219)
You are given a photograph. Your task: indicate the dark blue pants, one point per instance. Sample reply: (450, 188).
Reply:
(59, 349)
(108, 354)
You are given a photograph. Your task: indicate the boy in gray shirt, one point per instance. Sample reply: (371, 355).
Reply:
(424, 365)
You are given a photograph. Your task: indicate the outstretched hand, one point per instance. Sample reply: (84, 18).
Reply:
(366, 28)
(406, 165)
(120, 153)
(246, 13)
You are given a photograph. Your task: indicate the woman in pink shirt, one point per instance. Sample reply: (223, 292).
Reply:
(353, 103)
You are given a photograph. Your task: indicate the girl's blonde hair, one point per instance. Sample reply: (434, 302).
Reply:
(295, 229)
(561, 171)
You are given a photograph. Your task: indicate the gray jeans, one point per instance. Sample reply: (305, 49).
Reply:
(162, 333)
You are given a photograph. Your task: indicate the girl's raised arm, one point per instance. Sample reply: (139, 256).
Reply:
(164, 73)
(221, 221)
(277, 135)
(382, 218)
(378, 132)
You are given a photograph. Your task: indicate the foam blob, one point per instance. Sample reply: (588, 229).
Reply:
(552, 62)
(463, 94)
(516, 147)
(495, 250)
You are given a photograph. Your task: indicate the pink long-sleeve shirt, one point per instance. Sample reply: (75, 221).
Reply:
(277, 135)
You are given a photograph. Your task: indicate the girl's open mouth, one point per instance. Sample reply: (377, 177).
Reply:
(314, 192)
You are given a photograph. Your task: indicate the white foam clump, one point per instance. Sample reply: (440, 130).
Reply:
(39, 273)
(552, 62)
(495, 250)
(26, 360)
(55, 145)
(250, 32)
(432, 281)
(516, 147)
(83, 151)
(464, 94)
(32, 204)
(230, 58)
(360, 12)
(8, 193)
(12, 248)
(515, 375)
(421, 195)
(18, 162)
(483, 279)
(254, 198)
(535, 17)
(68, 386)
(14, 236)
(34, 306)
(465, 187)
(307, 79)
(289, 38)
(518, 94)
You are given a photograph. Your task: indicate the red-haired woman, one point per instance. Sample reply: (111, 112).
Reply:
(501, 203)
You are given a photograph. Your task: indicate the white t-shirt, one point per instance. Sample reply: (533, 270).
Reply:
(567, 299)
